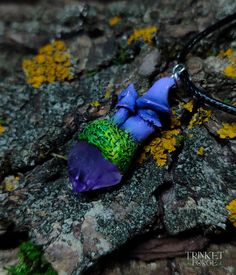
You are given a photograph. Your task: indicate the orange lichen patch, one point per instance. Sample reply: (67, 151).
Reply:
(95, 104)
(200, 151)
(227, 53)
(52, 63)
(202, 116)
(230, 55)
(230, 70)
(143, 33)
(232, 209)
(10, 183)
(114, 20)
(227, 131)
(187, 106)
(2, 129)
(159, 147)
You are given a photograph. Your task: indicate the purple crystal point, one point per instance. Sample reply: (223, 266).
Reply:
(89, 170)
(126, 104)
(156, 98)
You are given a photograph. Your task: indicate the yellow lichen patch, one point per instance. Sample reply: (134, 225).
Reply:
(114, 20)
(200, 151)
(159, 147)
(143, 33)
(230, 71)
(202, 116)
(95, 104)
(227, 131)
(2, 129)
(107, 94)
(232, 209)
(10, 183)
(187, 106)
(52, 63)
(230, 56)
(228, 53)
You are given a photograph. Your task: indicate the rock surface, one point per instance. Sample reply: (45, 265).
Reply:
(179, 266)
(42, 124)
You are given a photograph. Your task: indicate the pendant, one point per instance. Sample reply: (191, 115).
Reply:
(105, 148)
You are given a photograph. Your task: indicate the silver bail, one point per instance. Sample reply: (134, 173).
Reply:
(176, 72)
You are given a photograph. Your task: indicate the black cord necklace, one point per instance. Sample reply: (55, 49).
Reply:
(106, 147)
(180, 72)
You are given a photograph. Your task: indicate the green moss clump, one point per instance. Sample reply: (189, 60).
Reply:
(31, 262)
(115, 144)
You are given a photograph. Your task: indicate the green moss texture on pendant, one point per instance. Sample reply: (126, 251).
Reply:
(115, 144)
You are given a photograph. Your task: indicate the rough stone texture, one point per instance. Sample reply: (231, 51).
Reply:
(202, 185)
(7, 258)
(76, 230)
(41, 125)
(150, 63)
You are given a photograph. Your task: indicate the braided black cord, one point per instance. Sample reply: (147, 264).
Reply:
(185, 77)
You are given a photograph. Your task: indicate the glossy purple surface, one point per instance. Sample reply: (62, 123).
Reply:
(127, 98)
(126, 104)
(150, 116)
(144, 118)
(138, 128)
(88, 170)
(156, 98)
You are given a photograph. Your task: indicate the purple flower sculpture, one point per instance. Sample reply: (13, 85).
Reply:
(145, 120)
(108, 146)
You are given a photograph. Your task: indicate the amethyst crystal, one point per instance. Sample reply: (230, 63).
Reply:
(89, 170)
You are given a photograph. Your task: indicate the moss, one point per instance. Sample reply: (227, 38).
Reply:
(31, 261)
(125, 55)
(91, 73)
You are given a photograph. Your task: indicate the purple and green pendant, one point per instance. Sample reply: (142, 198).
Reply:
(106, 147)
